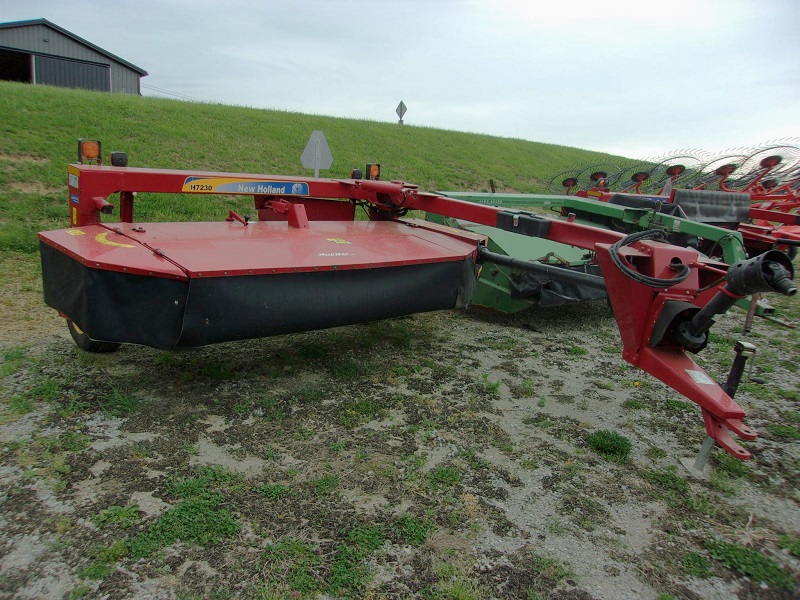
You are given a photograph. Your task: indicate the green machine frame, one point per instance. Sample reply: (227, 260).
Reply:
(497, 281)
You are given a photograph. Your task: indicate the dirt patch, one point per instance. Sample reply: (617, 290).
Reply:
(436, 456)
(23, 314)
(36, 187)
(23, 158)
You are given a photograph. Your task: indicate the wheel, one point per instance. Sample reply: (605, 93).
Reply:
(624, 178)
(708, 175)
(679, 169)
(84, 342)
(561, 180)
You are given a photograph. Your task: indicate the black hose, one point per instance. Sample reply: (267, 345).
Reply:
(647, 280)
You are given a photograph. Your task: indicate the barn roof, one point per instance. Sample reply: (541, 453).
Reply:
(78, 39)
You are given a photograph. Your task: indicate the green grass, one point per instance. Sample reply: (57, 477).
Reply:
(20, 405)
(667, 480)
(348, 572)
(413, 529)
(40, 127)
(360, 411)
(198, 519)
(750, 563)
(610, 444)
(697, 565)
(730, 465)
(47, 390)
(326, 485)
(273, 491)
(443, 478)
(122, 517)
(634, 404)
(291, 566)
(118, 404)
(216, 371)
(489, 387)
(70, 441)
(296, 569)
(791, 544)
(12, 361)
(352, 368)
(790, 432)
(527, 388)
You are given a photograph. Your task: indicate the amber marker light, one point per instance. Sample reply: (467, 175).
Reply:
(89, 151)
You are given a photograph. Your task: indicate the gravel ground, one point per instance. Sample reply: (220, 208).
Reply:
(444, 455)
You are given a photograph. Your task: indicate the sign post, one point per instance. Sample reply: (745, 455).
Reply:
(317, 155)
(401, 110)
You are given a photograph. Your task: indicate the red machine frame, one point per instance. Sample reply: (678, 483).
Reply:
(643, 312)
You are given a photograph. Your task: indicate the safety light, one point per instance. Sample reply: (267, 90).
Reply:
(356, 174)
(119, 159)
(89, 151)
(373, 171)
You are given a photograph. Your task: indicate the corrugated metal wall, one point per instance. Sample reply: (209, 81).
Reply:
(42, 40)
(63, 72)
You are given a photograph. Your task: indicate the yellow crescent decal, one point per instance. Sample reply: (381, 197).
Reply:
(103, 239)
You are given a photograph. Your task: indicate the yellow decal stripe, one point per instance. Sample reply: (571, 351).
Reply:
(103, 239)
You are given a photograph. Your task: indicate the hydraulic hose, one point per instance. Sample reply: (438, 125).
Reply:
(654, 282)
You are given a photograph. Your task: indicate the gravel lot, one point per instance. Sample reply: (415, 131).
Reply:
(444, 455)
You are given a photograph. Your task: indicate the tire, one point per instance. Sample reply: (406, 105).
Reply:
(84, 342)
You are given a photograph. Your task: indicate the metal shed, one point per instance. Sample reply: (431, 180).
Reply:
(41, 52)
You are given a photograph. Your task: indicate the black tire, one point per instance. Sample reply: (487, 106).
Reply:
(84, 342)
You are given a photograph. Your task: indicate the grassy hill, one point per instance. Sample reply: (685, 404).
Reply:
(40, 126)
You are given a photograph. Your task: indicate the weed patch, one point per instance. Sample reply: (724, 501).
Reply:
(360, 411)
(47, 390)
(697, 565)
(326, 486)
(730, 465)
(790, 543)
(216, 371)
(610, 444)
(122, 517)
(443, 478)
(20, 405)
(634, 404)
(749, 562)
(489, 387)
(577, 351)
(414, 530)
(273, 491)
(195, 520)
(348, 571)
(292, 566)
(352, 368)
(12, 361)
(118, 404)
(788, 432)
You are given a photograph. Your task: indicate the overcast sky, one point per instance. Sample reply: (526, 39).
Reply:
(632, 77)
